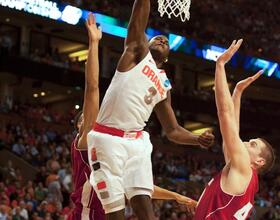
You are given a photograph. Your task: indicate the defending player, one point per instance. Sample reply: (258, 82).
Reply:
(87, 204)
(119, 150)
(230, 194)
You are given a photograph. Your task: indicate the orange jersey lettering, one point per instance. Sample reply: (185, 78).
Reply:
(154, 79)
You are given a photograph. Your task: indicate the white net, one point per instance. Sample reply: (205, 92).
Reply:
(175, 7)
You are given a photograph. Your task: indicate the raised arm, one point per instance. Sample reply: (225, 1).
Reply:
(234, 147)
(138, 23)
(136, 43)
(236, 98)
(163, 194)
(91, 95)
(174, 131)
(237, 94)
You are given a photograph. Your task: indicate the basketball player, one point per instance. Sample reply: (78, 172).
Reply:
(230, 194)
(119, 151)
(83, 189)
(80, 163)
(87, 204)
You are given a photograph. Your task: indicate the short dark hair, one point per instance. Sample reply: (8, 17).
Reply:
(77, 119)
(160, 35)
(269, 155)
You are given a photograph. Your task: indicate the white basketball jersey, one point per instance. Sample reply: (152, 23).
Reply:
(132, 95)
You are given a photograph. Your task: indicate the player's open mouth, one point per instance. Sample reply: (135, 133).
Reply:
(161, 45)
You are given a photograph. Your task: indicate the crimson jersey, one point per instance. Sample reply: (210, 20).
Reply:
(214, 204)
(83, 196)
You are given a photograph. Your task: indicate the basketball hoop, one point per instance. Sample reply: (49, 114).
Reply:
(175, 7)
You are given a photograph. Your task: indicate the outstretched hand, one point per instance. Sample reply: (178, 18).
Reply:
(206, 139)
(228, 54)
(188, 203)
(243, 84)
(94, 32)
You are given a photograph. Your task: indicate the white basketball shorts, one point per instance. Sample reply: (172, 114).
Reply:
(120, 167)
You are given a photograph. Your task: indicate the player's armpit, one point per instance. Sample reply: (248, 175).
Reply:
(234, 148)
(132, 55)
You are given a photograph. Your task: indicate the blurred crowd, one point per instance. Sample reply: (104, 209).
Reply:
(254, 21)
(50, 56)
(39, 199)
(39, 113)
(54, 58)
(47, 196)
(212, 21)
(47, 149)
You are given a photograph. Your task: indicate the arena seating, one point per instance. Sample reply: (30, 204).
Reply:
(47, 151)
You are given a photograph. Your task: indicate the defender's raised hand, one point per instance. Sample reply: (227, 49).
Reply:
(228, 54)
(243, 84)
(94, 32)
(206, 139)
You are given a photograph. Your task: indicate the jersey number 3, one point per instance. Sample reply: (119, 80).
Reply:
(149, 98)
(242, 213)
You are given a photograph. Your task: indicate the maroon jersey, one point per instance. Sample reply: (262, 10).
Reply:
(83, 196)
(215, 204)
